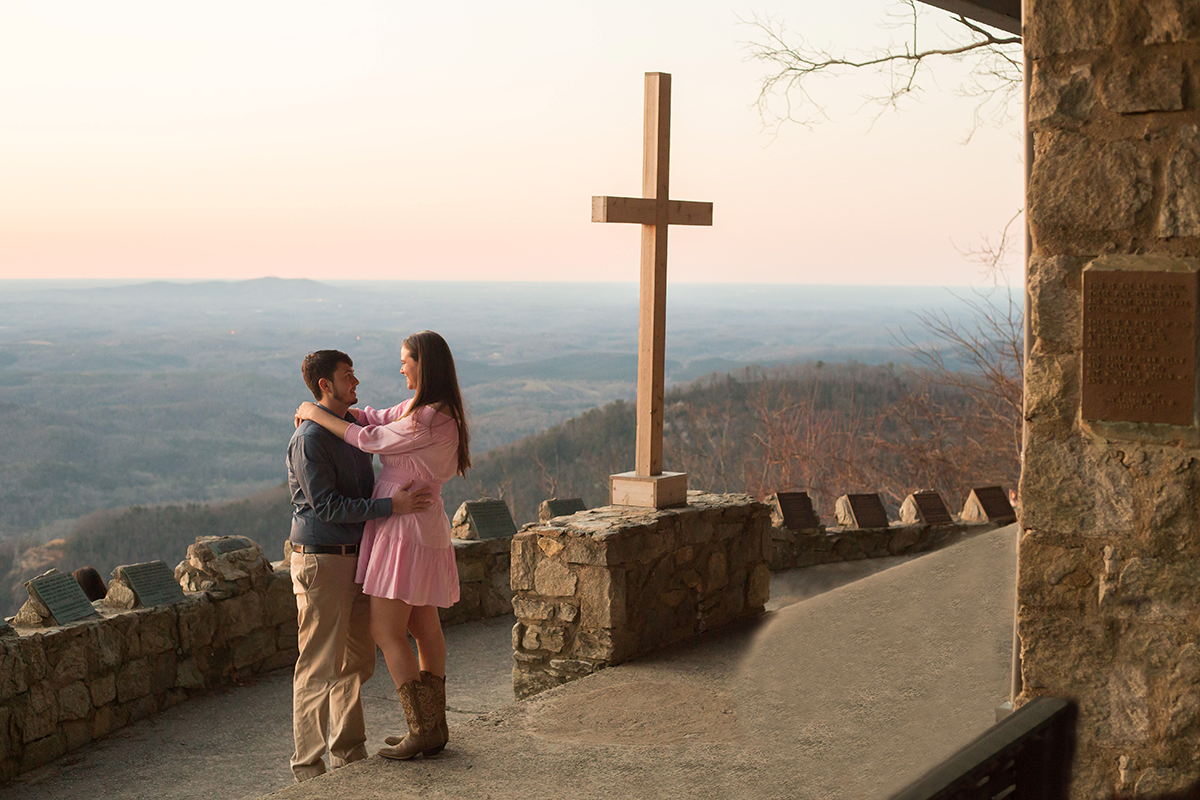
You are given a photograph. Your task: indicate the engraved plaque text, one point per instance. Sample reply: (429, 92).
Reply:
(797, 511)
(60, 593)
(1139, 346)
(491, 519)
(868, 511)
(153, 582)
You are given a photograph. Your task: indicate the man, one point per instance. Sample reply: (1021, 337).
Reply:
(331, 484)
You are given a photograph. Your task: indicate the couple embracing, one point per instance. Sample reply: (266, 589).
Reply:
(371, 558)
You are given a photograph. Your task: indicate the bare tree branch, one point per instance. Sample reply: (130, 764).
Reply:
(994, 82)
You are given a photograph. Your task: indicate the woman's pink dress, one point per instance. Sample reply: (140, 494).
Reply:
(409, 557)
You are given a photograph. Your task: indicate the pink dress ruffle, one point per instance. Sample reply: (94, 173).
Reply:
(409, 557)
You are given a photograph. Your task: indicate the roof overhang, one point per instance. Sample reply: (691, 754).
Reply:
(1002, 14)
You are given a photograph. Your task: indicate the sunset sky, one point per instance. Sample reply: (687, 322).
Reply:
(463, 141)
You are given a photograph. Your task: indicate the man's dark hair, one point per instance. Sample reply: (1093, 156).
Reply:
(322, 364)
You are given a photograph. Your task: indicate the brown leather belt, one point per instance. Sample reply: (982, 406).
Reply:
(324, 549)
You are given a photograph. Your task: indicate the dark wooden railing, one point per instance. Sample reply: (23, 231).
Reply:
(1025, 756)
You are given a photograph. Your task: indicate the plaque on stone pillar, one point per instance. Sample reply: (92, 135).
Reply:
(925, 507)
(560, 507)
(1139, 340)
(225, 544)
(797, 511)
(490, 519)
(988, 504)
(861, 511)
(57, 598)
(151, 584)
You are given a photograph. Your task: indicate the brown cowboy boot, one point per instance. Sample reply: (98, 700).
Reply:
(436, 685)
(419, 711)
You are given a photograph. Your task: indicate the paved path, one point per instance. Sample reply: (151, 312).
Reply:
(832, 694)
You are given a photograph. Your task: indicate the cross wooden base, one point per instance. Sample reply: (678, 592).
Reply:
(665, 490)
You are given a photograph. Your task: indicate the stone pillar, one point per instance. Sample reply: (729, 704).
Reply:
(1109, 578)
(603, 586)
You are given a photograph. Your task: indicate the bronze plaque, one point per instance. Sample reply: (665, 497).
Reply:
(565, 507)
(60, 593)
(153, 583)
(994, 502)
(932, 509)
(867, 510)
(1139, 346)
(491, 519)
(228, 544)
(797, 510)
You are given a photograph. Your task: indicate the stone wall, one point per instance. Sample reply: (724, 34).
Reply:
(62, 687)
(483, 581)
(1109, 587)
(792, 549)
(605, 585)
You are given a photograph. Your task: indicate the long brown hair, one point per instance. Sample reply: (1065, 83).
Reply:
(438, 383)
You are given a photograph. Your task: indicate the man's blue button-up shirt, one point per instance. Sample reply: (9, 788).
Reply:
(331, 484)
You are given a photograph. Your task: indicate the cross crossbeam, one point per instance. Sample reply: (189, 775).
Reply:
(654, 211)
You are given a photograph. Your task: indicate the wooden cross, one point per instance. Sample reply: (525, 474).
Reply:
(648, 485)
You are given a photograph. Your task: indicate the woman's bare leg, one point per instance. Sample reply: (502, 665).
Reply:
(426, 627)
(389, 626)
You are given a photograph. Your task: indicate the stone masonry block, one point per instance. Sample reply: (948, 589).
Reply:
(1056, 576)
(522, 562)
(1141, 83)
(40, 714)
(197, 622)
(1073, 485)
(103, 689)
(74, 701)
(1066, 26)
(12, 670)
(1180, 212)
(33, 656)
(473, 572)
(602, 595)
(1056, 311)
(553, 579)
(1061, 95)
(538, 637)
(281, 600)
(1086, 184)
(253, 647)
(134, 680)
(239, 615)
(535, 609)
(162, 672)
(69, 662)
(1052, 391)
(586, 550)
(108, 643)
(158, 631)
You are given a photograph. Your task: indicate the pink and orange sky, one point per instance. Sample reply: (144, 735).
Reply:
(381, 140)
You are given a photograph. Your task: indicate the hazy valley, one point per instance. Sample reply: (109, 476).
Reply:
(166, 394)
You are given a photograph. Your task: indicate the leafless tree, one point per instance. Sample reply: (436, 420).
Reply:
(993, 79)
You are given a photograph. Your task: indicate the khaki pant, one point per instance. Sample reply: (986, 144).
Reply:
(337, 656)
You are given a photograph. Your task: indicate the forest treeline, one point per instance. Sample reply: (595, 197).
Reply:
(828, 429)
(107, 539)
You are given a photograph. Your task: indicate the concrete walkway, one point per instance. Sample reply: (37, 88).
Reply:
(837, 692)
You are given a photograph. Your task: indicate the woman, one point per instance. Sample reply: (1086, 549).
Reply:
(406, 562)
